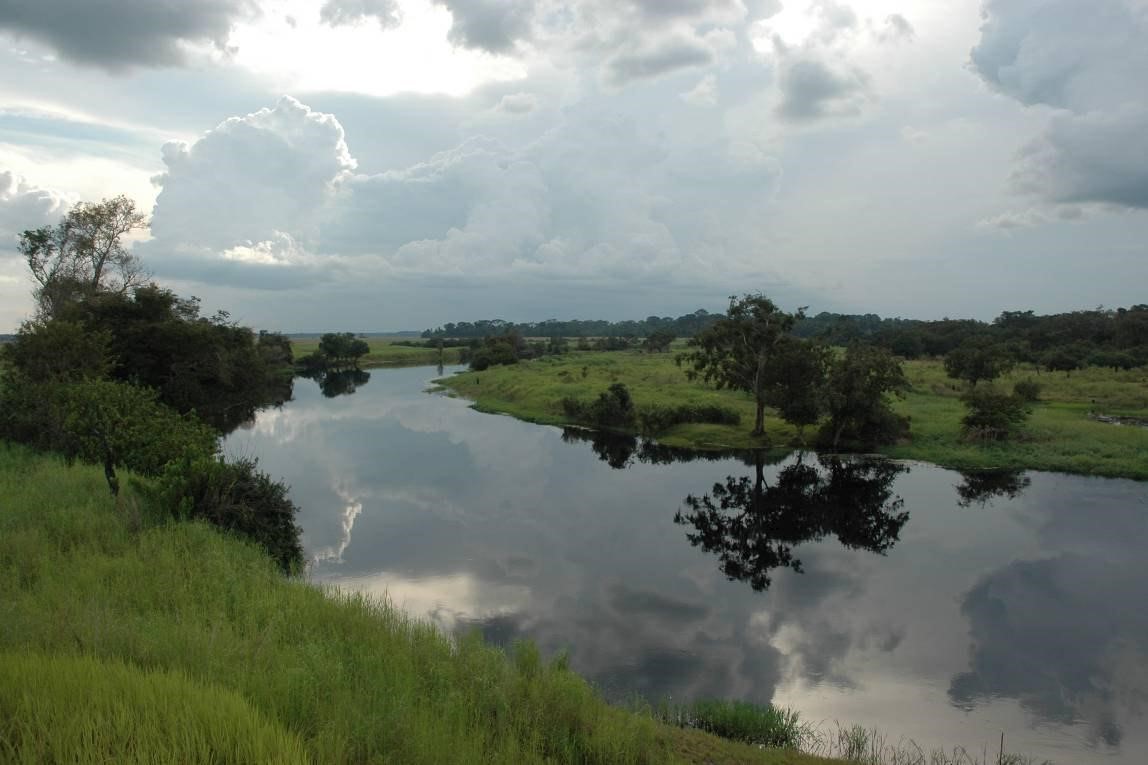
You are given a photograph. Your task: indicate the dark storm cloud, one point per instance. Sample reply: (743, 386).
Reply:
(1087, 60)
(119, 34)
(345, 12)
(811, 89)
(663, 57)
(495, 26)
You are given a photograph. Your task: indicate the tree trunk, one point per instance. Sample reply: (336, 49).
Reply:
(759, 420)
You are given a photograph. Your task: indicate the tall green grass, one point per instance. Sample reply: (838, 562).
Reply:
(71, 709)
(351, 678)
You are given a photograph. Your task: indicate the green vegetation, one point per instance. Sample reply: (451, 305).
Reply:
(74, 709)
(386, 352)
(209, 622)
(738, 721)
(1060, 435)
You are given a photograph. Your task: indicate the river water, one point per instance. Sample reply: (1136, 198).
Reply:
(932, 606)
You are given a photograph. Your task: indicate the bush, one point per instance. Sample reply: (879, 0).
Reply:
(656, 419)
(993, 415)
(80, 709)
(612, 410)
(1027, 390)
(236, 497)
(768, 726)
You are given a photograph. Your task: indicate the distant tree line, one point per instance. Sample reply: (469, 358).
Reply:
(683, 326)
(1114, 338)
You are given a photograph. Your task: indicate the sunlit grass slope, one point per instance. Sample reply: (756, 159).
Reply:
(1060, 435)
(384, 353)
(180, 608)
(69, 708)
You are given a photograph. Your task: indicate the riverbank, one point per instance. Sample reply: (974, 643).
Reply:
(385, 353)
(1062, 434)
(179, 611)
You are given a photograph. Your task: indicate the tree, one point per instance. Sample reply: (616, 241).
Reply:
(797, 381)
(343, 349)
(857, 398)
(976, 359)
(993, 415)
(84, 253)
(739, 351)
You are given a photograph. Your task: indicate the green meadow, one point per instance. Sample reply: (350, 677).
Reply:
(384, 352)
(124, 638)
(1061, 434)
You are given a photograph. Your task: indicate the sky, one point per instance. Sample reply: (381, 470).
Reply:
(316, 165)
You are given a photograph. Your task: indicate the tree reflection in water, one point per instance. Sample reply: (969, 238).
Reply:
(341, 382)
(753, 526)
(981, 487)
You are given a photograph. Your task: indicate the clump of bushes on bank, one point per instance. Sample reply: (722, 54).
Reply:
(614, 409)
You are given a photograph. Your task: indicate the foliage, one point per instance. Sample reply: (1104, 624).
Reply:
(221, 371)
(496, 351)
(109, 423)
(342, 349)
(612, 410)
(58, 351)
(1027, 390)
(740, 351)
(857, 399)
(1064, 359)
(975, 360)
(992, 414)
(797, 381)
(83, 254)
(237, 497)
(653, 420)
(683, 326)
(57, 709)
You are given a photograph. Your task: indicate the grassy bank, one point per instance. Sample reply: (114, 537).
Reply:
(113, 607)
(1060, 435)
(384, 353)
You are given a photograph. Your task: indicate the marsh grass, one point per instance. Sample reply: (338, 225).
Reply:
(738, 721)
(351, 678)
(867, 746)
(1059, 436)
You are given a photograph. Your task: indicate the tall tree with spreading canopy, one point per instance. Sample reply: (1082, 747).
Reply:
(84, 254)
(740, 352)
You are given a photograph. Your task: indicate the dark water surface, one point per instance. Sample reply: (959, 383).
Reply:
(930, 605)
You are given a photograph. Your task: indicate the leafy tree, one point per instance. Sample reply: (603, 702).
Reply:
(797, 381)
(58, 351)
(753, 526)
(857, 398)
(976, 359)
(612, 410)
(84, 253)
(109, 423)
(1064, 359)
(502, 350)
(343, 349)
(740, 351)
(992, 414)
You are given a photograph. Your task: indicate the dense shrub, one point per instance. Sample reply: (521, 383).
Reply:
(992, 414)
(237, 497)
(612, 410)
(656, 419)
(112, 424)
(1027, 390)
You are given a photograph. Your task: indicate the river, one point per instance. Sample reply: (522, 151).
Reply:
(931, 606)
